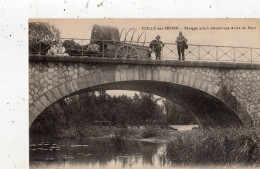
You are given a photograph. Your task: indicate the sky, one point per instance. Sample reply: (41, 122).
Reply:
(130, 94)
(249, 37)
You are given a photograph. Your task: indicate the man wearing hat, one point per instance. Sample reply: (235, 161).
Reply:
(156, 46)
(181, 45)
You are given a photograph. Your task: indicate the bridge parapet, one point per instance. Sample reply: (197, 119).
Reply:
(132, 49)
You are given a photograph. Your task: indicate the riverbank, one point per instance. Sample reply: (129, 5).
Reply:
(198, 147)
(146, 134)
(220, 146)
(152, 134)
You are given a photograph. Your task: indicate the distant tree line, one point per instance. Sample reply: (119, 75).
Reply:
(81, 110)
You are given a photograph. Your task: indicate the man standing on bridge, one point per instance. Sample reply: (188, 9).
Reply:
(181, 45)
(156, 46)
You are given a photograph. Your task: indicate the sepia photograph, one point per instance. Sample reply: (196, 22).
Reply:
(144, 93)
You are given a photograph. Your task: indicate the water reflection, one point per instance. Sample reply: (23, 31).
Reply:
(95, 153)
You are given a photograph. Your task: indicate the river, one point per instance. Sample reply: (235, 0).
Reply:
(105, 153)
(95, 154)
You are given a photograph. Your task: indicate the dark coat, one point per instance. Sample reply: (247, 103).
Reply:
(157, 46)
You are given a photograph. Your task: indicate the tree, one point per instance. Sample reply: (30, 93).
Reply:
(79, 111)
(176, 114)
(41, 37)
(146, 107)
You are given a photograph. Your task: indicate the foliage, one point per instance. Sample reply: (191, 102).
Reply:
(78, 112)
(149, 132)
(42, 36)
(73, 116)
(177, 115)
(119, 142)
(222, 146)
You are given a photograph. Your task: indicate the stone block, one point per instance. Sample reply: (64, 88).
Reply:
(31, 80)
(106, 77)
(51, 64)
(57, 93)
(96, 79)
(223, 95)
(64, 89)
(110, 76)
(50, 87)
(136, 73)
(174, 77)
(44, 100)
(71, 73)
(70, 68)
(39, 105)
(51, 96)
(145, 74)
(155, 75)
(215, 90)
(149, 74)
(89, 80)
(130, 74)
(197, 83)
(203, 85)
(50, 75)
(75, 84)
(165, 75)
(209, 89)
(74, 76)
(142, 73)
(180, 78)
(123, 75)
(33, 110)
(117, 76)
(81, 69)
(191, 81)
(50, 70)
(45, 90)
(186, 79)
(50, 82)
(32, 117)
(62, 80)
(84, 81)
(168, 76)
(162, 75)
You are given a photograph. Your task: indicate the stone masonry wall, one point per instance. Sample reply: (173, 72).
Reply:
(242, 83)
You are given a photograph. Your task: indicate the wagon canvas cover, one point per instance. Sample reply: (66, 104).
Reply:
(105, 33)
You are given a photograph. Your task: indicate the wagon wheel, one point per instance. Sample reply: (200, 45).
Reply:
(127, 51)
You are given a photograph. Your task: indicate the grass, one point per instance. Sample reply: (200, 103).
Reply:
(92, 131)
(222, 146)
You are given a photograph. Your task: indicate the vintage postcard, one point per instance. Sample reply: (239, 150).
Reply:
(144, 93)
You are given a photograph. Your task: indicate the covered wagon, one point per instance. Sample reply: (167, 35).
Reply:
(108, 38)
(105, 42)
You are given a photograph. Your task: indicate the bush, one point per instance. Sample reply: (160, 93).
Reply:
(149, 132)
(119, 142)
(224, 146)
(41, 37)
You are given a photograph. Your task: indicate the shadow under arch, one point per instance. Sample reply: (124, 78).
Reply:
(211, 105)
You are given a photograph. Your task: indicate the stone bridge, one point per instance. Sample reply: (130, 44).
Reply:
(216, 94)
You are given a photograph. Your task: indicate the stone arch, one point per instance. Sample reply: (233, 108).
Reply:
(134, 76)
